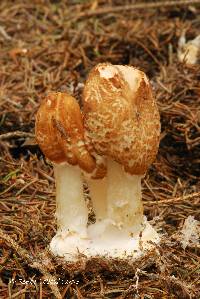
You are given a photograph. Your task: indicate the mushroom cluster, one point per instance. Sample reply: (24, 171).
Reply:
(110, 145)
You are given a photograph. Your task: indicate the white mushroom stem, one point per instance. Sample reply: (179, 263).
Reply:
(71, 209)
(124, 232)
(98, 193)
(124, 198)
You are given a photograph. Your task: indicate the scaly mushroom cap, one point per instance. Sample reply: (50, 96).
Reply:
(59, 131)
(121, 117)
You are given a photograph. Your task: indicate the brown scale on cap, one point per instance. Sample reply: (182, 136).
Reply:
(59, 131)
(121, 117)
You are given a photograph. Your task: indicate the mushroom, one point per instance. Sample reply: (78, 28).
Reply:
(122, 126)
(112, 145)
(189, 52)
(59, 133)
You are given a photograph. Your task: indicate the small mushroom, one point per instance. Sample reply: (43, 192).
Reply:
(189, 52)
(59, 133)
(122, 126)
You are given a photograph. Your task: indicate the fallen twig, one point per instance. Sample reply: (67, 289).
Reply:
(16, 134)
(4, 34)
(175, 199)
(114, 9)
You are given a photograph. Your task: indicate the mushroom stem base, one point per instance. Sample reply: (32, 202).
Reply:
(111, 244)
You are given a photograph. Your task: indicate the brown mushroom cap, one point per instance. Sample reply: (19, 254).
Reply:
(59, 131)
(121, 117)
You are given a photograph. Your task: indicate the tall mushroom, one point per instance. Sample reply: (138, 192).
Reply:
(59, 132)
(122, 125)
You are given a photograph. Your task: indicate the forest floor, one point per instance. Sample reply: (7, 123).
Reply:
(51, 45)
